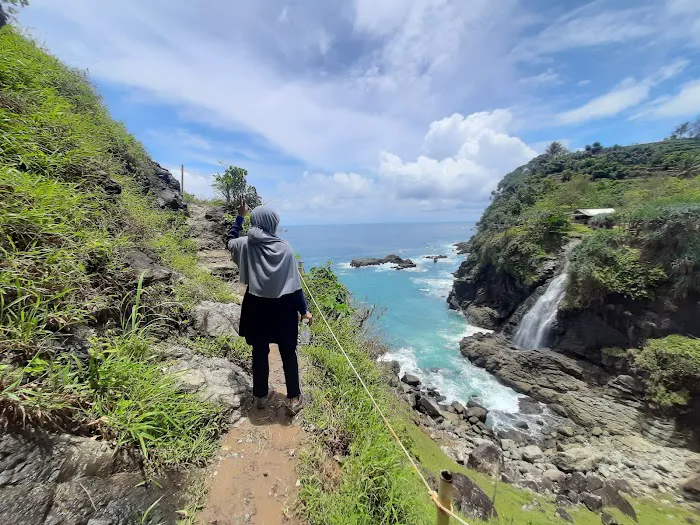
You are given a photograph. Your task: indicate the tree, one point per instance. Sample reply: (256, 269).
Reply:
(689, 165)
(233, 187)
(555, 149)
(9, 9)
(686, 130)
(596, 147)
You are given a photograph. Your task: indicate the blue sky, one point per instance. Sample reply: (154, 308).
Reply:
(379, 110)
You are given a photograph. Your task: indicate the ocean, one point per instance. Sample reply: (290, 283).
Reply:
(414, 319)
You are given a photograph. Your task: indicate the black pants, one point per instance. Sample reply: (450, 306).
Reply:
(261, 369)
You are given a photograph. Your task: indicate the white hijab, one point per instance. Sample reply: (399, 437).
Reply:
(266, 262)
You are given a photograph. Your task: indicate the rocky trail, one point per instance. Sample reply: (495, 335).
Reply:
(254, 478)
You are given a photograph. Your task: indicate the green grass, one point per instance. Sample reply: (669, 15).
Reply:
(63, 238)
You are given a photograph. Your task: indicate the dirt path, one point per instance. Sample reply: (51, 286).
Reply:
(254, 479)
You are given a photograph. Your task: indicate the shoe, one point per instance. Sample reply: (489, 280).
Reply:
(261, 402)
(295, 405)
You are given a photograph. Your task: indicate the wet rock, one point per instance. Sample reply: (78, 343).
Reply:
(459, 408)
(531, 453)
(215, 379)
(591, 501)
(428, 406)
(471, 500)
(410, 380)
(478, 412)
(216, 319)
(529, 406)
(486, 458)
(142, 265)
(561, 513)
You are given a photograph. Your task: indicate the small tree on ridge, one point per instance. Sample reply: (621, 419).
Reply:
(234, 188)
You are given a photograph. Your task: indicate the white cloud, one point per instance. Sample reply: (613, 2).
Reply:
(464, 159)
(195, 183)
(628, 94)
(583, 82)
(685, 102)
(548, 77)
(589, 26)
(681, 7)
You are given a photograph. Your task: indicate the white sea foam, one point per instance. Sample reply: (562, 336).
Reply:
(434, 286)
(344, 265)
(458, 381)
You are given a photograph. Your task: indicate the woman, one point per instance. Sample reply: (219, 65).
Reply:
(274, 302)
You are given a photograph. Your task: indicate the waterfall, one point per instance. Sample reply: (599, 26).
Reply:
(533, 329)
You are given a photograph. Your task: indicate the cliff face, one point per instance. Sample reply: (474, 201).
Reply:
(634, 276)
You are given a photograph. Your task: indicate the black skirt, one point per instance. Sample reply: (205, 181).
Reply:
(265, 321)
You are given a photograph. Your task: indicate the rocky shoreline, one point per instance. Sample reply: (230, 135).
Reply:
(575, 442)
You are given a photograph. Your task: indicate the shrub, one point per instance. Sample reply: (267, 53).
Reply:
(604, 220)
(603, 264)
(672, 369)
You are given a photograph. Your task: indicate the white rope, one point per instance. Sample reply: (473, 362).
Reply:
(431, 492)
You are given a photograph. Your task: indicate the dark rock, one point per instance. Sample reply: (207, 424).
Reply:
(576, 483)
(410, 379)
(593, 483)
(459, 408)
(393, 259)
(4, 19)
(564, 515)
(691, 488)
(529, 406)
(435, 258)
(522, 425)
(478, 412)
(591, 501)
(160, 182)
(563, 501)
(143, 265)
(530, 484)
(471, 500)
(483, 317)
(610, 497)
(440, 398)
(608, 519)
(622, 485)
(428, 406)
(486, 458)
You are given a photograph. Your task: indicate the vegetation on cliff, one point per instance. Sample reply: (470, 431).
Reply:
(76, 341)
(651, 248)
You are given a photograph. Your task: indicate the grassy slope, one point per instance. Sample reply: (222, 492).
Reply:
(373, 483)
(62, 245)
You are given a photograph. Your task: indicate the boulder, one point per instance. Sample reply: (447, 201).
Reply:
(142, 265)
(471, 500)
(561, 513)
(575, 483)
(527, 405)
(483, 317)
(410, 380)
(608, 519)
(214, 379)
(578, 458)
(214, 319)
(428, 406)
(508, 444)
(591, 501)
(567, 431)
(531, 453)
(611, 497)
(691, 488)
(393, 259)
(486, 458)
(555, 476)
(160, 182)
(459, 408)
(593, 483)
(478, 412)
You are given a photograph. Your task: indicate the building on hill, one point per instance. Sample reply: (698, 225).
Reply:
(583, 215)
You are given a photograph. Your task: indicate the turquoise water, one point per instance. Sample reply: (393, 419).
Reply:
(422, 332)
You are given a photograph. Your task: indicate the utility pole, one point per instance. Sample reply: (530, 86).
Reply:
(182, 179)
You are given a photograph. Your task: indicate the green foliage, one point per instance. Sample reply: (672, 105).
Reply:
(603, 264)
(330, 293)
(555, 149)
(234, 188)
(672, 369)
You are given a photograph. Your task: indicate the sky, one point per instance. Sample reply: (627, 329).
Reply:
(378, 111)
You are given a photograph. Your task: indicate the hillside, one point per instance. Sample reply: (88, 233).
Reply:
(644, 258)
(121, 366)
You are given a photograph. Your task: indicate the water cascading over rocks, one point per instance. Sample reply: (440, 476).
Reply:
(533, 330)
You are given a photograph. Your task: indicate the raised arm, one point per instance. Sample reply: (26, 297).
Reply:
(235, 231)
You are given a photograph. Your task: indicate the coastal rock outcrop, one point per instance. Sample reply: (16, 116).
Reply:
(392, 259)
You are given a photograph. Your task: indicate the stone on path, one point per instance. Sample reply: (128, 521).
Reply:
(214, 319)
